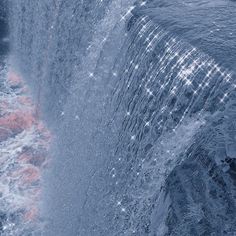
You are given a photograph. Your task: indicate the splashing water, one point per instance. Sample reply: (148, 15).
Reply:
(131, 103)
(24, 142)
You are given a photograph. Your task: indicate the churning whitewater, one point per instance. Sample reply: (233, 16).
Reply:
(24, 150)
(142, 117)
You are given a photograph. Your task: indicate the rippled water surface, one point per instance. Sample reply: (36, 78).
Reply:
(140, 99)
(207, 24)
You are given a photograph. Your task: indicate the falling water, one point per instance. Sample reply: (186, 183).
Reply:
(129, 104)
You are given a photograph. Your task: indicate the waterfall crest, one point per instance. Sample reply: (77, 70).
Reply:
(143, 121)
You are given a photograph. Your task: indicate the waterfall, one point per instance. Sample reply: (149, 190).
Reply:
(129, 105)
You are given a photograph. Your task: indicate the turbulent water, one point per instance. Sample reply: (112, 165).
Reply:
(142, 111)
(24, 145)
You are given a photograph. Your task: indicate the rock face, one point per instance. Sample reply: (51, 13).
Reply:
(144, 122)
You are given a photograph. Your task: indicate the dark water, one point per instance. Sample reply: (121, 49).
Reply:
(3, 28)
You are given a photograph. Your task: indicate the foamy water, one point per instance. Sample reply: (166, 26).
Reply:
(24, 142)
(142, 108)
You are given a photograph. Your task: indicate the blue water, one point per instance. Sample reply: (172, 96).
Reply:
(209, 25)
(3, 28)
(140, 98)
